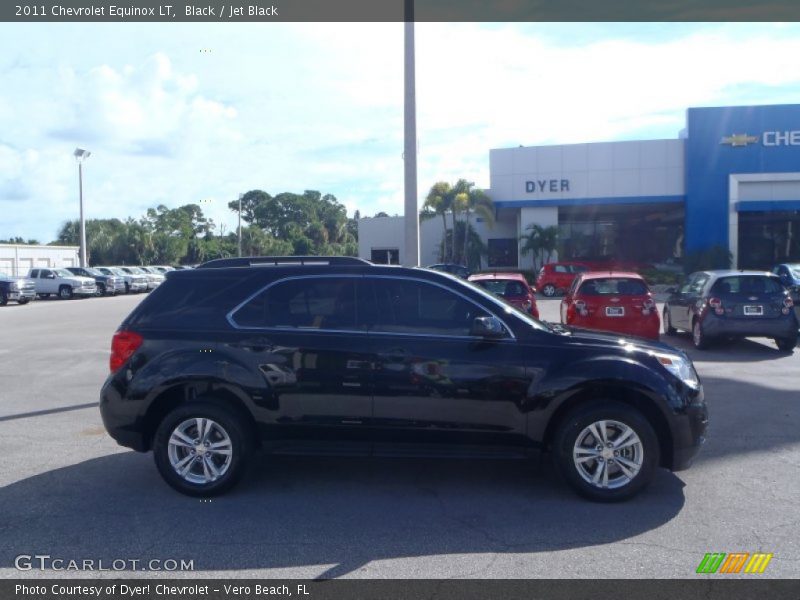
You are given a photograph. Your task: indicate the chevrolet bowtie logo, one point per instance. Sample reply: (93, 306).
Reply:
(739, 139)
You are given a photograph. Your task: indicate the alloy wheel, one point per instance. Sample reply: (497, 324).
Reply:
(608, 454)
(200, 450)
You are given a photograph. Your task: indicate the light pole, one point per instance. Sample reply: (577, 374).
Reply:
(80, 156)
(411, 237)
(240, 225)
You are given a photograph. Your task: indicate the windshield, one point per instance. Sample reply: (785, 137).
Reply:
(503, 306)
(93, 272)
(116, 271)
(136, 270)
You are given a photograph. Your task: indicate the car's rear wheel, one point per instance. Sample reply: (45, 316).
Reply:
(606, 451)
(668, 328)
(786, 344)
(549, 290)
(65, 292)
(201, 449)
(699, 338)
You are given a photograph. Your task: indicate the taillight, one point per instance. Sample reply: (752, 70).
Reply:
(788, 303)
(527, 305)
(648, 305)
(123, 345)
(716, 304)
(580, 306)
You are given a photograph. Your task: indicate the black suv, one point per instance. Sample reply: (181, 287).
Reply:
(714, 305)
(338, 355)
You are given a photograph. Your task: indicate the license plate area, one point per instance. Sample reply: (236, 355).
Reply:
(615, 311)
(753, 310)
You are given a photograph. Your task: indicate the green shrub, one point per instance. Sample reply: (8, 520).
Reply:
(715, 257)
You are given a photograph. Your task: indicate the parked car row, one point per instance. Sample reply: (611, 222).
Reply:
(81, 282)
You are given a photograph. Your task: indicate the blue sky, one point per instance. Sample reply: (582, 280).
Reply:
(179, 113)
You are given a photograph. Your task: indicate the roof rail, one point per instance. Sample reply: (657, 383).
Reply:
(279, 261)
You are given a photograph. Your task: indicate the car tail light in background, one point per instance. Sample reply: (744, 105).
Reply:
(788, 303)
(527, 305)
(580, 306)
(648, 305)
(123, 345)
(716, 304)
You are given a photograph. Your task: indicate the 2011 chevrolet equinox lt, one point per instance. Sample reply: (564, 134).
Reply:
(304, 354)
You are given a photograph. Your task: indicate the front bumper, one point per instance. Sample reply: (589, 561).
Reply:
(688, 431)
(84, 291)
(151, 285)
(22, 294)
(138, 286)
(773, 327)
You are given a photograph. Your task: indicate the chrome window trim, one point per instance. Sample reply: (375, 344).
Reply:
(232, 322)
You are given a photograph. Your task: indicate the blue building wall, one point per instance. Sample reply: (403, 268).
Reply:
(709, 162)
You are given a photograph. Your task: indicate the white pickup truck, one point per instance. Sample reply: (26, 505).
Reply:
(62, 283)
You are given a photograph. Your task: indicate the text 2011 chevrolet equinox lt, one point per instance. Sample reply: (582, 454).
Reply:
(336, 354)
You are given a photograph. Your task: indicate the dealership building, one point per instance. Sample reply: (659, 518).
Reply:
(731, 178)
(17, 259)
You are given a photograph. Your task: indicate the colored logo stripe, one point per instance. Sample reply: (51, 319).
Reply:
(711, 562)
(758, 563)
(734, 562)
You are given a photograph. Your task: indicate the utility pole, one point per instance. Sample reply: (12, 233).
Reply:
(81, 155)
(411, 258)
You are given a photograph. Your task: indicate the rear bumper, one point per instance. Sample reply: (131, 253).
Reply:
(776, 327)
(121, 419)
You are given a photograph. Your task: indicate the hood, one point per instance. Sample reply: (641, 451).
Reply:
(588, 337)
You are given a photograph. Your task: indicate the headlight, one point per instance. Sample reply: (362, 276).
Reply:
(15, 285)
(680, 367)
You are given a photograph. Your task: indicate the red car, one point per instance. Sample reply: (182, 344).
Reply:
(619, 302)
(511, 287)
(558, 277)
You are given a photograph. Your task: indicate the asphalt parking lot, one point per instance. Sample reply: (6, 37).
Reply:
(68, 491)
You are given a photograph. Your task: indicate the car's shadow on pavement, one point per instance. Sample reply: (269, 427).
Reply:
(329, 516)
(728, 351)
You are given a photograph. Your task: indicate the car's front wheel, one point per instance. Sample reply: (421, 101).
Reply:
(606, 451)
(549, 290)
(65, 292)
(201, 449)
(23, 300)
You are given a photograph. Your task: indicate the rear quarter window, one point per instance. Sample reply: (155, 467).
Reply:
(192, 302)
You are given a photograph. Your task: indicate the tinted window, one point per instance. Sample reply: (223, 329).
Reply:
(34, 273)
(613, 286)
(503, 287)
(698, 283)
(407, 306)
(314, 303)
(560, 269)
(44, 273)
(747, 284)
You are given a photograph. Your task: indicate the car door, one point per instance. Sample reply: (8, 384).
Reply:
(433, 380)
(300, 334)
(47, 282)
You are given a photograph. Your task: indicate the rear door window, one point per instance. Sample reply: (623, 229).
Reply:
(303, 303)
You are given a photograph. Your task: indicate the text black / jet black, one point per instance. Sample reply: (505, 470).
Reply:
(336, 354)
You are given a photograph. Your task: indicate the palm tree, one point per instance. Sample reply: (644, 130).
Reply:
(541, 241)
(438, 201)
(478, 202)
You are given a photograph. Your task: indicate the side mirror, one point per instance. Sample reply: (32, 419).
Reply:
(488, 327)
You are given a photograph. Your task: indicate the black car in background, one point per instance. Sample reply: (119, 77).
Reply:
(715, 305)
(453, 269)
(320, 354)
(19, 289)
(107, 283)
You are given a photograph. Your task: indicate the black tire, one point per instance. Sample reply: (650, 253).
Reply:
(549, 290)
(575, 425)
(22, 301)
(65, 292)
(44, 296)
(230, 423)
(699, 338)
(786, 344)
(668, 328)
(101, 290)
(3, 299)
